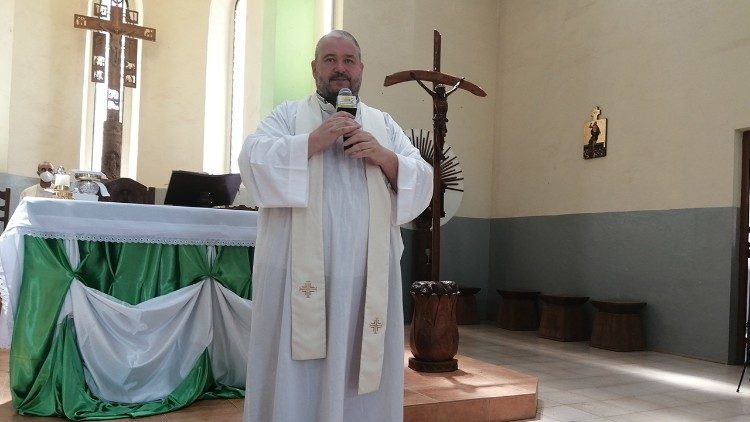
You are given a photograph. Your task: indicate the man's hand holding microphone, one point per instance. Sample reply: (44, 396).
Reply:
(357, 142)
(341, 123)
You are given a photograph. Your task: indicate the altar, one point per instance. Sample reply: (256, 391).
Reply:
(121, 310)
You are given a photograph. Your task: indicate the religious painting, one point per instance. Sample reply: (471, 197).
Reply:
(131, 57)
(595, 136)
(99, 57)
(101, 10)
(132, 17)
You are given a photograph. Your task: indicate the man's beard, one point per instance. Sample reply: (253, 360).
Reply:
(329, 93)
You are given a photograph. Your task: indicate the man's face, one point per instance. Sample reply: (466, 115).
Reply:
(42, 167)
(337, 66)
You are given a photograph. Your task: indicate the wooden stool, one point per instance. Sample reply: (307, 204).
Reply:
(518, 311)
(618, 326)
(466, 307)
(563, 318)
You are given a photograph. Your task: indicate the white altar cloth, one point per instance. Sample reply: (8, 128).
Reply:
(113, 222)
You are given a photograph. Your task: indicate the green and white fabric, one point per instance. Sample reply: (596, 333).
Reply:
(107, 329)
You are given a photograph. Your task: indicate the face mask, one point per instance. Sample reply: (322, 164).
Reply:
(46, 177)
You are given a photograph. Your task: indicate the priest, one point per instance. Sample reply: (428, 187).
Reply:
(327, 335)
(45, 172)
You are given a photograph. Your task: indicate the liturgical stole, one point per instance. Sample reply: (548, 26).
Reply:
(308, 274)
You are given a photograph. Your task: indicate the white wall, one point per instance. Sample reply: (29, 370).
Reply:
(44, 69)
(45, 92)
(397, 35)
(6, 59)
(173, 90)
(45, 99)
(670, 75)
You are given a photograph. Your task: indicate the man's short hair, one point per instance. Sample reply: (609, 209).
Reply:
(339, 33)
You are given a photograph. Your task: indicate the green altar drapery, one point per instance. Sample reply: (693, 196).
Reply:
(46, 369)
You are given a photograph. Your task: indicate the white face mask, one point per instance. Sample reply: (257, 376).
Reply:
(46, 176)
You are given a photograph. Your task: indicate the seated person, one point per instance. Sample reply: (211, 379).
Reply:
(46, 177)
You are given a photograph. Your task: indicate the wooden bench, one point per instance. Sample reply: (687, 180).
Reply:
(466, 307)
(518, 310)
(563, 318)
(618, 326)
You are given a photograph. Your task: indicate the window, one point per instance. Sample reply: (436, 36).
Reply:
(254, 62)
(238, 85)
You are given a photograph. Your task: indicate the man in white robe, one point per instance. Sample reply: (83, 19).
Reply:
(274, 167)
(46, 177)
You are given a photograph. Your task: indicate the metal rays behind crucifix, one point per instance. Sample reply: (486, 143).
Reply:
(439, 95)
(451, 174)
(123, 43)
(452, 191)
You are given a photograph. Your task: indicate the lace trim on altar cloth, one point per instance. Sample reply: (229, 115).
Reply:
(4, 300)
(125, 238)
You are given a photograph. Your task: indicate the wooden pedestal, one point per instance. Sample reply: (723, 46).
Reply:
(466, 306)
(433, 337)
(563, 318)
(618, 326)
(517, 311)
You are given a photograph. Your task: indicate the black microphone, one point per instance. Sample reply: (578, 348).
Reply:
(346, 101)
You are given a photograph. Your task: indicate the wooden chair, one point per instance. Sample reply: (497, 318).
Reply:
(128, 191)
(5, 207)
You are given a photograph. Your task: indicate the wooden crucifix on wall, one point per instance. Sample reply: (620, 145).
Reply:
(119, 68)
(439, 96)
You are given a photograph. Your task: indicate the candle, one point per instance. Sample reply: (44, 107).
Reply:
(62, 180)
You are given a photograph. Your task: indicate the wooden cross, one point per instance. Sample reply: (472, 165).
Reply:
(307, 289)
(439, 120)
(118, 30)
(376, 325)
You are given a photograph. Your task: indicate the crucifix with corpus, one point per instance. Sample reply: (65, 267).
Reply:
(439, 95)
(119, 68)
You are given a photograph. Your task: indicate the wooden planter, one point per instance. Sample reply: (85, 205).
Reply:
(434, 332)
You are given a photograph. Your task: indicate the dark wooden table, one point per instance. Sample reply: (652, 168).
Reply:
(563, 318)
(618, 325)
(518, 310)
(466, 308)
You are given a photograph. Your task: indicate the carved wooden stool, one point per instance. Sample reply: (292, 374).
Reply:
(518, 311)
(563, 318)
(618, 326)
(466, 307)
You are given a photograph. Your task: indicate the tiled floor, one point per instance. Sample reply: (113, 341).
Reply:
(477, 391)
(576, 383)
(581, 383)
